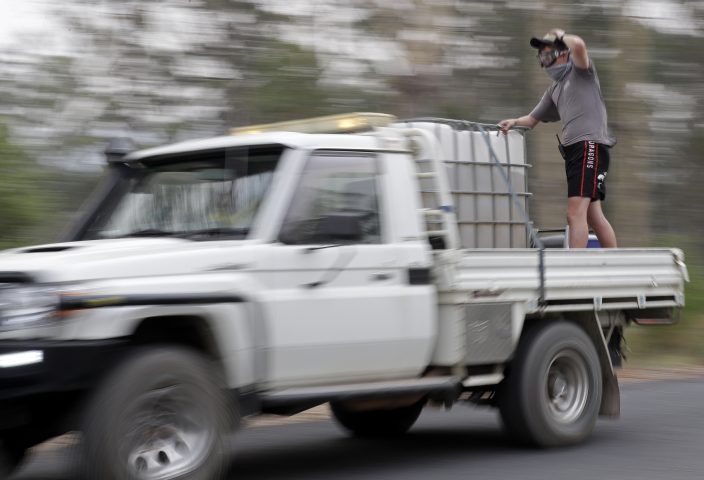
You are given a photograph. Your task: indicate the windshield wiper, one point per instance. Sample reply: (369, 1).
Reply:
(215, 232)
(149, 232)
(190, 234)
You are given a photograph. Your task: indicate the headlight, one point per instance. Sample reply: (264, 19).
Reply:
(24, 306)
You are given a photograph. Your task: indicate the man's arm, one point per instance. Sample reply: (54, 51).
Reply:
(580, 57)
(524, 121)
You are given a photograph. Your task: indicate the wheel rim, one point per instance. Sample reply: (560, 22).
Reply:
(168, 434)
(567, 386)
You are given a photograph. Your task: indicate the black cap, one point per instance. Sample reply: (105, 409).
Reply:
(548, 40)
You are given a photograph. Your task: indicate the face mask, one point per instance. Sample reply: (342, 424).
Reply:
(558, 72)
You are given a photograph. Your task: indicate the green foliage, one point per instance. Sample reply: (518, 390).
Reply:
(681, 343)
(22, 200)
(288, 87)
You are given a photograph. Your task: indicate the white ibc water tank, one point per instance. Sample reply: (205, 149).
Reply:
(487, 215)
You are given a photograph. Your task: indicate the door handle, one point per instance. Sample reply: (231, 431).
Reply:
(381, 276)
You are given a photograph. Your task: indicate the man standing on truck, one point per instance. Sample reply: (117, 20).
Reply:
(575, 98)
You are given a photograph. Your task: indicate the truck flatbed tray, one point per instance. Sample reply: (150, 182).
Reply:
(578, 279)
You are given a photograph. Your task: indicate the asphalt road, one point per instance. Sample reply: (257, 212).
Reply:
(660, 435)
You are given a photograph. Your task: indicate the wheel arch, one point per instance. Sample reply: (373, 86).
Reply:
(187, 330)
(222, 334)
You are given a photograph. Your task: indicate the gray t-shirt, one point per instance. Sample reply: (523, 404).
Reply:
(576, 100)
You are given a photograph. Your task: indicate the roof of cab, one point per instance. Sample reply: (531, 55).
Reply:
(286, 139)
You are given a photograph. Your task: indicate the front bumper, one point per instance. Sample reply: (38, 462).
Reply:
(42, 383)
(38, 367)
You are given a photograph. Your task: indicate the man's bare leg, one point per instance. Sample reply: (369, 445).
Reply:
(577, 208)
(603, 229)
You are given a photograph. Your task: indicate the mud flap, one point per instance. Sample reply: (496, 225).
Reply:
(611, 394)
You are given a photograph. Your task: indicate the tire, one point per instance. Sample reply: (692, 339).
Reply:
(10, 457)
(164, 415)
(552, 394)
(377, 423)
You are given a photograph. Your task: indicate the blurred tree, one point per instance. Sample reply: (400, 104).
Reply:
(284, 85)
(22, 200)
(631, 191)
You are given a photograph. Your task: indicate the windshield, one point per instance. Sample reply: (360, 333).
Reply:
(213, 195)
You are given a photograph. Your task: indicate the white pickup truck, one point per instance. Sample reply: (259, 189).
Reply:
(267, 272)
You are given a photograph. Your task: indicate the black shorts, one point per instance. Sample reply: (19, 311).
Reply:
(586, 165)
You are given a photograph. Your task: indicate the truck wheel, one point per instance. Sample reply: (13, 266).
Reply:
(552, 394)
(10, 457)
(162, 415)
(377, 423)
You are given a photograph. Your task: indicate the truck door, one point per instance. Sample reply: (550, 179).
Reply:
(340, 304)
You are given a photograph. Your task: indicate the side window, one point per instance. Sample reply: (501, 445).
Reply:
(335, 202)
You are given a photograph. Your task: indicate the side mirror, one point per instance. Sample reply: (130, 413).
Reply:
(336, 227)
(341, 226)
